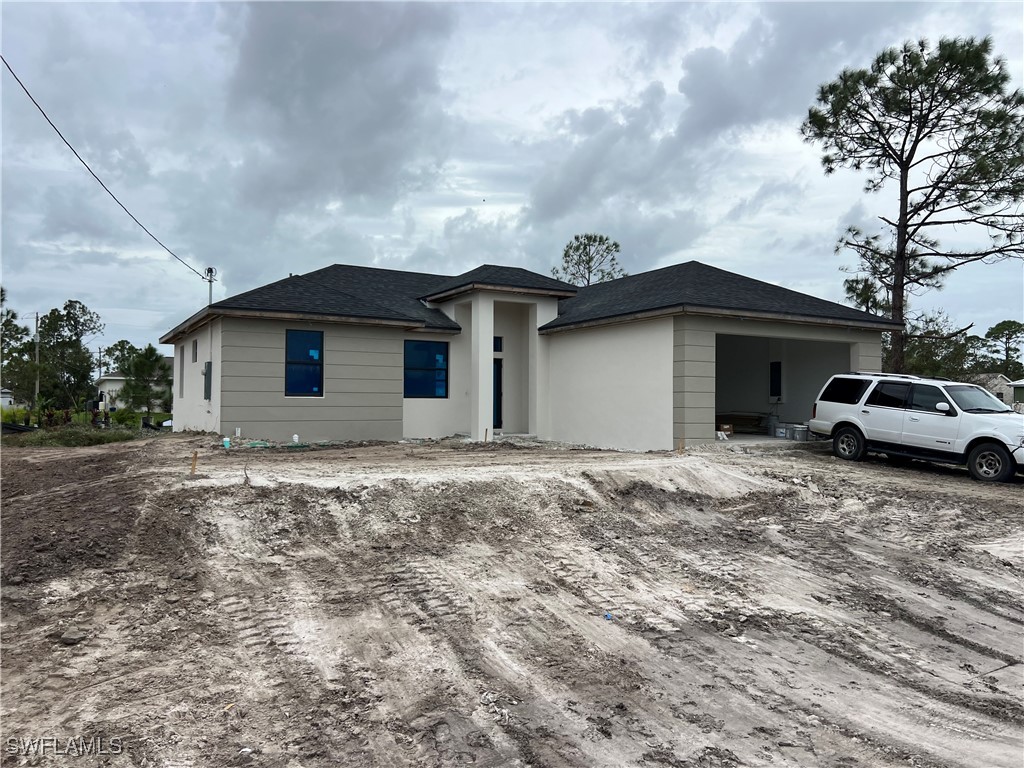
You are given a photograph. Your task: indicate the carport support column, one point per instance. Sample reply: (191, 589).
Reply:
(865, 356)
(481, 374)
(693, 381)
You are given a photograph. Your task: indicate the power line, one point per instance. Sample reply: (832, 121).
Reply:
(90, 170)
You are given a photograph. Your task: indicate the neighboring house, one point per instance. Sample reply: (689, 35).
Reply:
(1017, 388)
(997, 383)
(641, 362)
(6, 398)
(110, 385)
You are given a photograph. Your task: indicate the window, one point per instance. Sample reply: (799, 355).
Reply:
(181, 370)
(304, 364)
(499, 343)
(846, 391)
(888, 394)
(195, 350)
(775, 381)
(426, 369)
(925, 398)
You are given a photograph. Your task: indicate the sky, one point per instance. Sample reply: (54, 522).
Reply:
(265, 139)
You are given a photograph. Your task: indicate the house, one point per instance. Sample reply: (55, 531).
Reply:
(6, 398)
(109, 385)
(641, 362)
(1017, 388)
(997, 383)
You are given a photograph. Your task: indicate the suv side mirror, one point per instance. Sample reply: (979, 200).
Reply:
(943, 407)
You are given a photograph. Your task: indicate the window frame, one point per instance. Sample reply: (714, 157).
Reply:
(942, 398)
(883, 385)
(195, 350)
(317, 362)
(406, 369)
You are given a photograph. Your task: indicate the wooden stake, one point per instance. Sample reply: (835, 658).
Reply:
(195, 457)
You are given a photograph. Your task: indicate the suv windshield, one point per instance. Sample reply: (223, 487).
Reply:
(976, 400)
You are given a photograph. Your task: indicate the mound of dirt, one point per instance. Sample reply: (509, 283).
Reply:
(410, 605)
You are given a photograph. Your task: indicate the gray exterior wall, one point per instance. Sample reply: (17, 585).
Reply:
(363, 375)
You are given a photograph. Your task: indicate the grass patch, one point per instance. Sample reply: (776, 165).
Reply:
(72, 436)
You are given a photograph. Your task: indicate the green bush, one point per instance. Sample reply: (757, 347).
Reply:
(126, 418)
(14, 415)
(71, 435)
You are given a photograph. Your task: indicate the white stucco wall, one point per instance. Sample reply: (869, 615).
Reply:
(611, 386)
(430, 417)
(191, 410)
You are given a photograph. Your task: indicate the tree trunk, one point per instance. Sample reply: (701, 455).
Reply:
(899, 273)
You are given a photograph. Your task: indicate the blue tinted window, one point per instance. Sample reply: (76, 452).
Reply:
(426, 369)
(304, 364)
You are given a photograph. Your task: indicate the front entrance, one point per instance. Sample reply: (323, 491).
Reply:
(497, 392)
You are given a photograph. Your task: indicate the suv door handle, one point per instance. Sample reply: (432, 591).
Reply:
(914, 418)
(865, 410)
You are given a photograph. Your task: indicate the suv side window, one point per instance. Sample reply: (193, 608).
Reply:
(848, 391)
(925, 397)
(889, 394)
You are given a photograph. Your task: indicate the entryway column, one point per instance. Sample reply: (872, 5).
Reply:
(481, 374)
(538, 410)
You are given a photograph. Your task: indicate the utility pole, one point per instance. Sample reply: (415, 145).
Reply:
(35, 397)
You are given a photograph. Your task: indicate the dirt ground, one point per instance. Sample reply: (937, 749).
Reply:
(443, 605)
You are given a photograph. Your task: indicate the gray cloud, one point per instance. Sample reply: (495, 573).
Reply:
(770, 192)
(340, 99)
(774, 67)
(266, 138)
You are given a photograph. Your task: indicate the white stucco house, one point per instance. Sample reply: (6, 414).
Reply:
(6, 398)
(110, 384)
(641, 362)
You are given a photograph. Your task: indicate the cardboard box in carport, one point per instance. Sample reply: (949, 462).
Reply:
(726, 428)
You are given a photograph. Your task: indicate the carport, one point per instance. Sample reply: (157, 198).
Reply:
(753, 370)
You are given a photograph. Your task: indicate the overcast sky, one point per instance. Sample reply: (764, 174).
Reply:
(266, 138)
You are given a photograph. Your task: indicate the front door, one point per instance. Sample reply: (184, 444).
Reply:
(497, 392)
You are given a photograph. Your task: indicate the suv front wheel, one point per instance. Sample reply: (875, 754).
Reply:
(991, 462)
(848, 444)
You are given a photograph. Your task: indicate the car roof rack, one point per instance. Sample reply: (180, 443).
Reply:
(885, 375)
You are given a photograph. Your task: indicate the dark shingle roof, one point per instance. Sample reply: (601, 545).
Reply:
(349, 291)
(696, 285)
(505, 277)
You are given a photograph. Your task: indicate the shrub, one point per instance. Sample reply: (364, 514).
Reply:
(125, 417)
(14, 415)
(71, 435)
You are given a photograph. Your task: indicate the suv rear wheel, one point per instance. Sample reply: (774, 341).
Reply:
(991, 462)
(848, 444)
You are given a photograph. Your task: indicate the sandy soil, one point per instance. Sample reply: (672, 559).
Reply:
(442, 605)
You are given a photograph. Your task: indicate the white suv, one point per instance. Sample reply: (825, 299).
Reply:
(911, 417)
